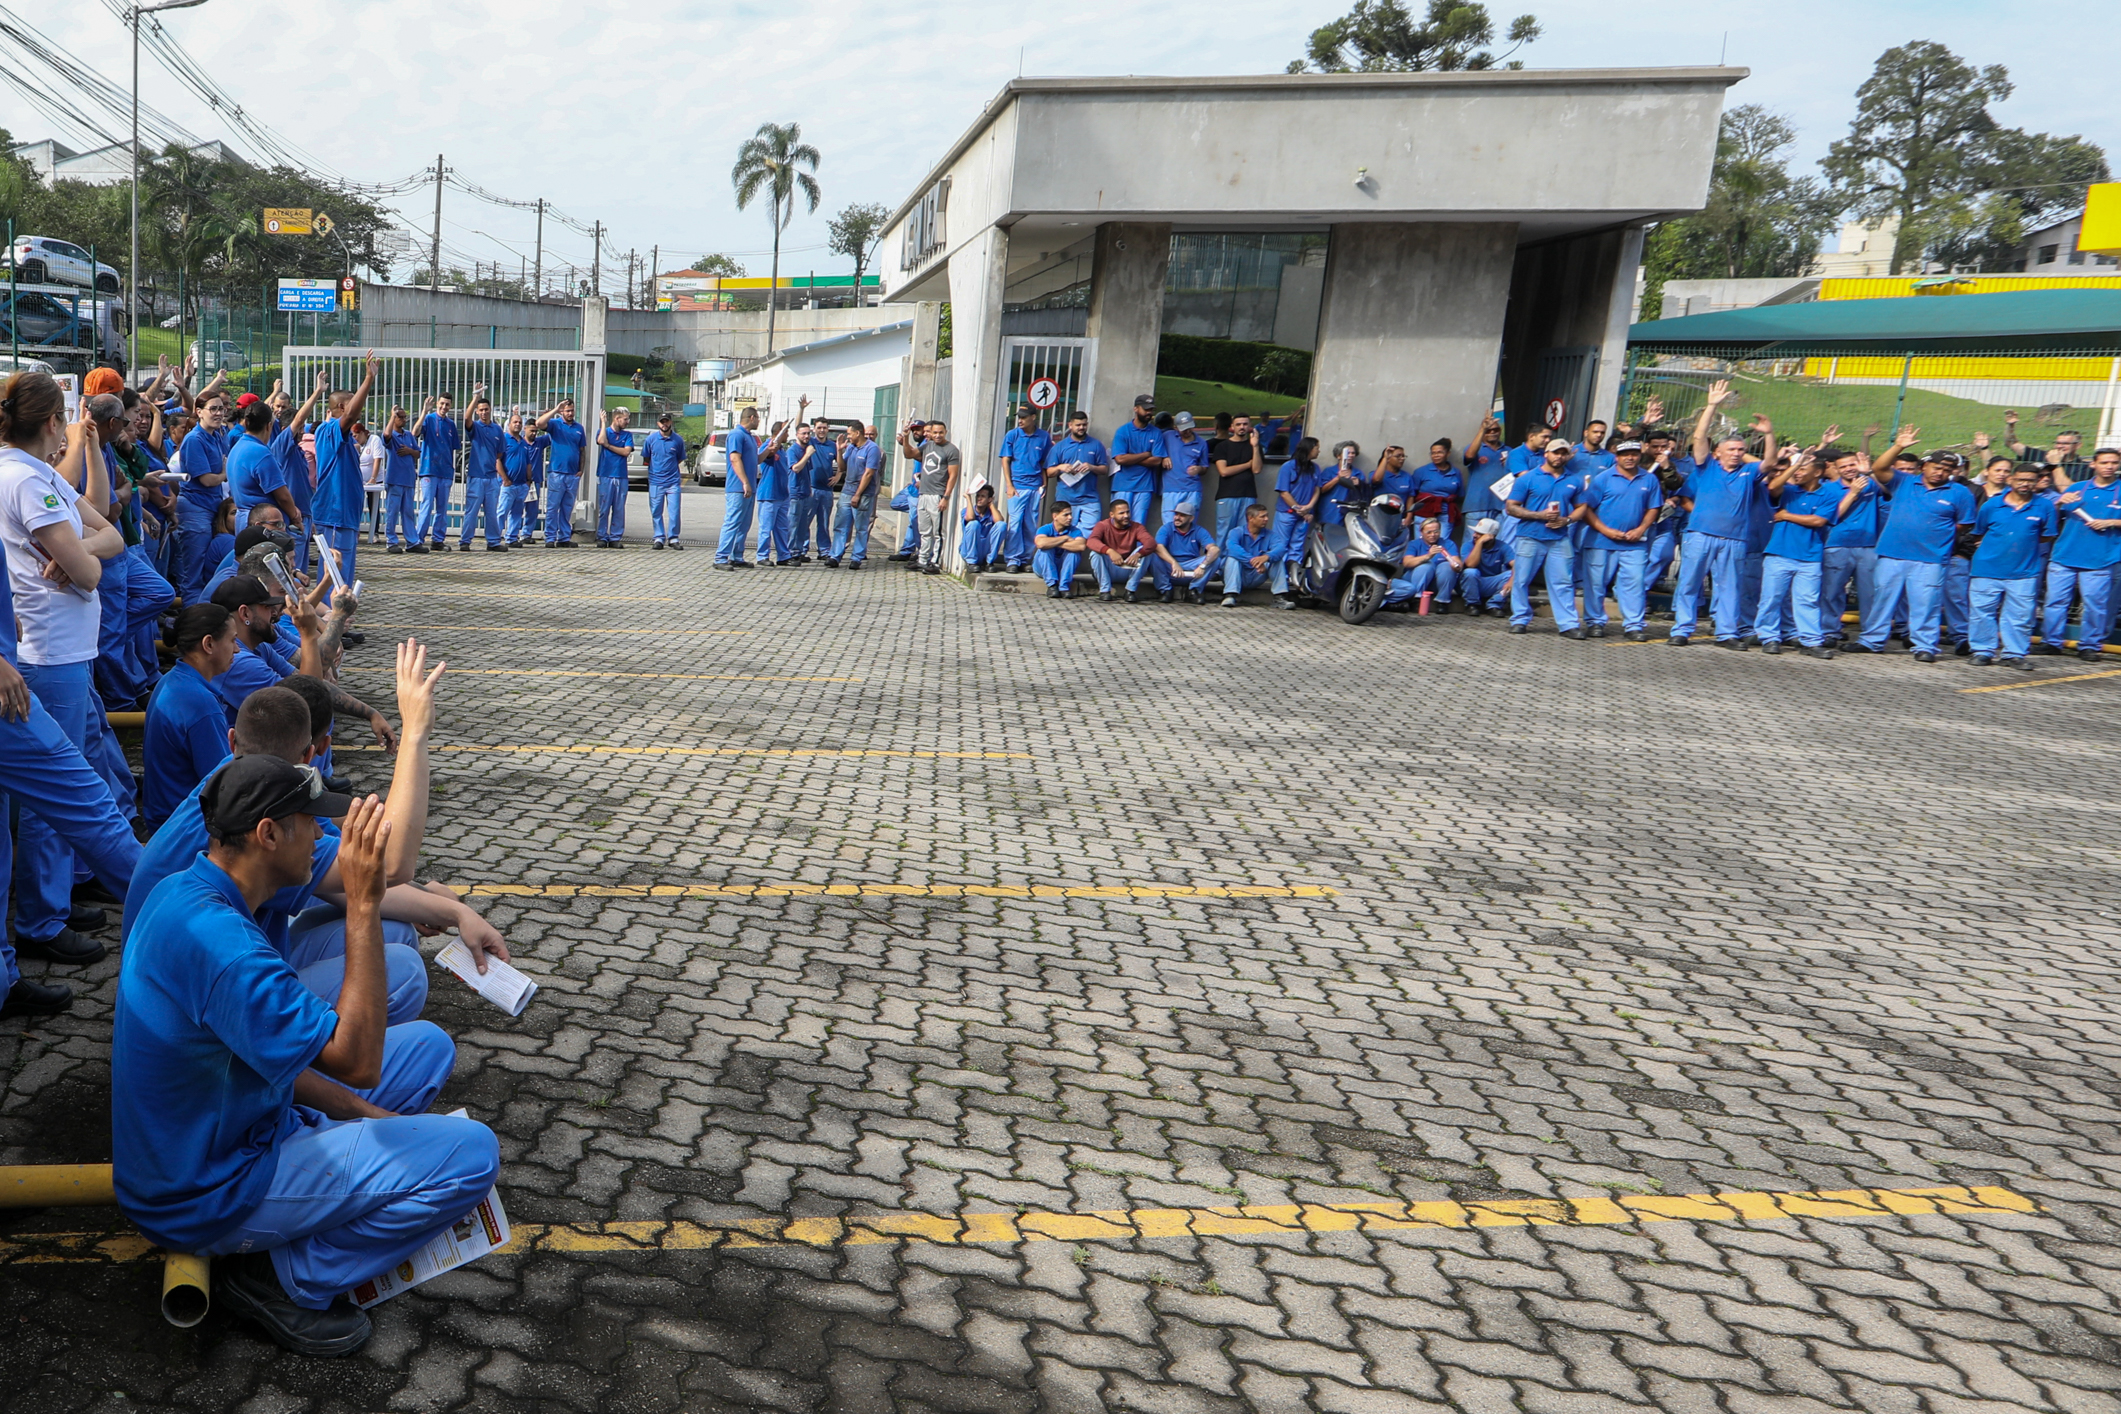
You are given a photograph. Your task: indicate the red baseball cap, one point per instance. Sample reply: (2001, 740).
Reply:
(246, 400)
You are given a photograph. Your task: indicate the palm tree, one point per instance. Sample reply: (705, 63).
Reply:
(767, 161)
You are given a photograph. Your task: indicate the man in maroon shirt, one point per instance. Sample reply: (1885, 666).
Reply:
(1119, 545)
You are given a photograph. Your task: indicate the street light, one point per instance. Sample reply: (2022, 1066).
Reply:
(132, 273)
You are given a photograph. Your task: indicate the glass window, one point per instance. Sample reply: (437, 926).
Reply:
(2048, 254)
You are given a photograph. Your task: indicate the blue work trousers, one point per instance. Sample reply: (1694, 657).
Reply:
(1625, 571)
(776, 531)
(398, 518)
(1137, 504)
(43, 771)
(1723, 561)
(1230, 516)
(1479, 587)
(611, 508)
(482, 499)
(345, 539)
(430, 522)
(816, 515)
(2000, 609)
(850, 530)
(1958, 576)
(1182, 492)
(1921, 586)
(737, 508)
(1843, 566)
(1789, 602)
(1429, 577)
(350, 1199)
(514, 502)
(560, 489)
(1056, 567)
(2095, 588)
(1166, 580)
(980, 541)
(195, 532)
(1105, 572)
(1558, 558)
(316, 950)
(147, 595)
(1239, 576)
(1020, 543)
(44, 855)
(664, 520)
(1749, 572)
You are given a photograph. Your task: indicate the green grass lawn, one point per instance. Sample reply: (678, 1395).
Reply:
(1803, 408)
(1204, 399)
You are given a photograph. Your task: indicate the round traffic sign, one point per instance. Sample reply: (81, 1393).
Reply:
(346, 282)
(272, 227)
(1043, 393)
(1557, 411)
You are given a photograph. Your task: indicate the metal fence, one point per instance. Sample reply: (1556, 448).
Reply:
(1950, 397)
(526, 381)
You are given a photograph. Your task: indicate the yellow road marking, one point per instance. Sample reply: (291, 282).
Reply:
(1295, 1219)
(802, 890)
(555, 673)
(2045, 682)
(730, 751)
(474, 594)
(482, 628)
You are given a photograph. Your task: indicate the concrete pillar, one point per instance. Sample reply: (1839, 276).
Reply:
(916, 391)
(1620, 312)
(978, 270)
(1409, 333)
(1126, 321)
(596, 312)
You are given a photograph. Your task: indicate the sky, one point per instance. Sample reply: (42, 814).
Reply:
(631, 115)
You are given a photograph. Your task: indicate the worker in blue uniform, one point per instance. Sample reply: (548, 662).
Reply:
(614, 444)
(519, 455)
(665, 453)
(739, 491)
(401, 454)
(485, 452)
(187, 728)
(563, 473)
(1023, 480)
(440, 438)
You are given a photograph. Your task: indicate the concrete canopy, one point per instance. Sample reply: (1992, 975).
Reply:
(1450, 197)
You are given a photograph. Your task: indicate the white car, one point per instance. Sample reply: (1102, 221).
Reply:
(711, 467)
(41, 260)
(218, 355)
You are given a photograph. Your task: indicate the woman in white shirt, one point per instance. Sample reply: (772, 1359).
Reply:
(55, 541)
(373, 459)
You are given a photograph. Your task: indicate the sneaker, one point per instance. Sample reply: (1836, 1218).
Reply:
(1736, 645)
(1925, 657)
(250, 1287)
(1229, 601)
(1817, 651)
(655, 544)
(1595, 631)
(2090, 655)
(1104, 596)
(28, 998)
(393, 549)
(1520, 628)
(1284, 601)
(65, 946)
(1771, 646)
(1575, 633)
(1164, 598)
(414, 550)
(1636, 635)
(1982, 660)
(1678, 641)
(2023, 665)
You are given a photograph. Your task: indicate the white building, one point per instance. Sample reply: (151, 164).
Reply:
(102, 166)
(845, 377)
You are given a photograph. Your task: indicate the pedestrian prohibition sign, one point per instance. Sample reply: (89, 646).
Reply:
(1556, 411)
(1043, 393)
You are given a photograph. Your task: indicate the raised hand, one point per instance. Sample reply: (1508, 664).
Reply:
(362, 836)
(416, 688)
(1719, 392)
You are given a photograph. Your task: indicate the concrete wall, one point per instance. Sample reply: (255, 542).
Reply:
(1410, 332)
(1683, 297)
(1562, 295)
(840, 381)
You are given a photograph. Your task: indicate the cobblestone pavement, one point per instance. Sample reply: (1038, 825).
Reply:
(1607, 922)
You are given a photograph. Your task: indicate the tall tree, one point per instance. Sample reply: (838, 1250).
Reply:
(1381, 36)
(717, 264)
(1760, 220)
(1925, 149)
(854, 234)
(770, 161)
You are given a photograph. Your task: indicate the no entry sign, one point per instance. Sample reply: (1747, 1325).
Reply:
(1043, 393)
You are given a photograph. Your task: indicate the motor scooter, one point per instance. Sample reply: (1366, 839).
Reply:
(1348, 565)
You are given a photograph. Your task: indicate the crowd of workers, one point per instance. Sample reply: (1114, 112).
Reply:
(270, 1073)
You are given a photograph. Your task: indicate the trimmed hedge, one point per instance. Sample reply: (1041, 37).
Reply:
(1223, 360)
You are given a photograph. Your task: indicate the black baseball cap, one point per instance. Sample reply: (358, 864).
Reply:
(240, 590)
(1951, 459)
(1145, 400)
(253, 788)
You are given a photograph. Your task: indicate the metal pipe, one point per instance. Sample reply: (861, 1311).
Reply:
(56, 1186)
(187, 1289)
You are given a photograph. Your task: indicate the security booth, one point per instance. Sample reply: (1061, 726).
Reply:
(1428, 239)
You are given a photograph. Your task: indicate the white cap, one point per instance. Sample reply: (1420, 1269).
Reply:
(1486, 525)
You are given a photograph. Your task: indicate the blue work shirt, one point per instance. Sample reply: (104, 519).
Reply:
(1487, 465)
(1189, 544)
(1299, 481)
(743, 457)
(400, 454)
(339, 499)
(1400, 483)
(1541, 490)
(1621, 502)
(254, 473)
(1444, 482)
(1248, 547)
(1520, 459)
(1127, 439)
(213, 1028)
(519, 457)
(611, 465)
(251, 670)
(2011, 536)
(866, 459)
(774, 480)
(1800, 542)
(803, 463)
(1924, 522)
(439, 439)
(665, 452)
(568, 439)
(183, 838)
(286, 449)
(2079, 547)
(489, 444)
(187, 739)
(1858, 530)
(1025, 452)
(1723, 500)
(202, 453)
(1188, 461)
(1092, 454)
(1495, 558)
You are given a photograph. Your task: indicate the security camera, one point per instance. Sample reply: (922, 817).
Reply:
(1362, 176)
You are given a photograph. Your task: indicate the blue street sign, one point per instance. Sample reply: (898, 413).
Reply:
(308, 296)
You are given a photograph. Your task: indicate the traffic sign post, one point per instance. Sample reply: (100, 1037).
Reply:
(1557, 413)
(308, 296)
(1043, 393)
(349, 293)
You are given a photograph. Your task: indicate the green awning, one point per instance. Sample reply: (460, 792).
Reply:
(2020, 319)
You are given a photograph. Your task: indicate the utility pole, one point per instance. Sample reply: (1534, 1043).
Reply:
(655, 267)
(537, 275)
(596, 260)
(435, 269)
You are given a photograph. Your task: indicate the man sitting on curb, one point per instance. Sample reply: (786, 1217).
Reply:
(1184, 553)
(1249, 562)
(1484, 576)
(1119, 543)
(1429, 566)
(1057, 552)
(980, 540)
(251, 1120)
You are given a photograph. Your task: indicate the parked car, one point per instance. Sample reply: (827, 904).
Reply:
(47, 324)
(219, 355)
(11, 364)
(711, 466)
(41, 260)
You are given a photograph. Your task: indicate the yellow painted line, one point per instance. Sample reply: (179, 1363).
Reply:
(729, 751)
(802, 890)
(483, 628)
(2045, 682)
(1295, 1219)
(555, 673)
(492, 598)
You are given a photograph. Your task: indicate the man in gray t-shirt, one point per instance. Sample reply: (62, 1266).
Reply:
(940, 461)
